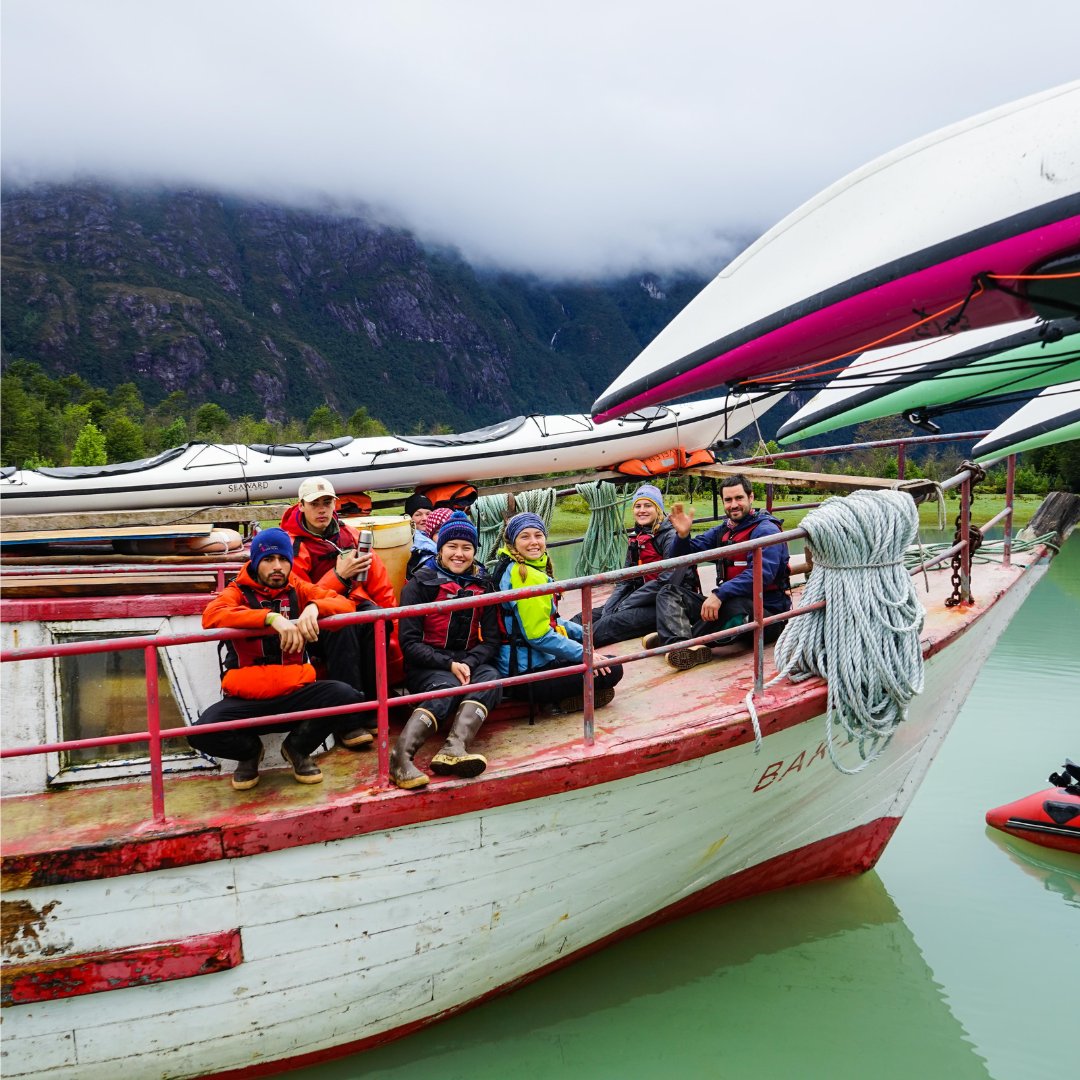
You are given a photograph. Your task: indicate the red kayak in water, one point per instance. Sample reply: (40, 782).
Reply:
(1050, 818)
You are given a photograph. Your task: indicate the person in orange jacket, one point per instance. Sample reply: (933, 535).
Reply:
(267, 675)
(324, 553)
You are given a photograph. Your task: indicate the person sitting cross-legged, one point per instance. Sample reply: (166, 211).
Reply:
(539, 638)
(682, 612)
(270, 674)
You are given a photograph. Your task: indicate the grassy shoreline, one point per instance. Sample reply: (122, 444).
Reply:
(567, 523)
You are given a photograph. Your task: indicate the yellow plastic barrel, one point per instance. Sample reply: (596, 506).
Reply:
(392, 543)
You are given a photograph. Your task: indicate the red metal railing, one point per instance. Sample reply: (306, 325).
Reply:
(155, 735)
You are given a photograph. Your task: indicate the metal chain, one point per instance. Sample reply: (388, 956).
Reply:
(975, 540)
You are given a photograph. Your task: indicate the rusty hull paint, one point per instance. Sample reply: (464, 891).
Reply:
(134, 855)
(20, 923)
(114, 969)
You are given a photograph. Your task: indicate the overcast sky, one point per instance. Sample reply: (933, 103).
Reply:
(577, 137)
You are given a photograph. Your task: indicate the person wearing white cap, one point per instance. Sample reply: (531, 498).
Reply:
(325, 554)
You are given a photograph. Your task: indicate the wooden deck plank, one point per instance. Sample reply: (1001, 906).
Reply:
(98, 533)
(178, 515)
(793, 478)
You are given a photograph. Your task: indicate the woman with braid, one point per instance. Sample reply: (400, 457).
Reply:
(539, 639)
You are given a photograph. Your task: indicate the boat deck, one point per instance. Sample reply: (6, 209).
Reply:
(98, 831)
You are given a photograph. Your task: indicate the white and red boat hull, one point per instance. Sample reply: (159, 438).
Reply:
(354, 923)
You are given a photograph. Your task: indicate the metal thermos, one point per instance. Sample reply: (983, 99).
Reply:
(363, 543)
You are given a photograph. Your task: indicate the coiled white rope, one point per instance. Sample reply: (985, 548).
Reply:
(865, 642)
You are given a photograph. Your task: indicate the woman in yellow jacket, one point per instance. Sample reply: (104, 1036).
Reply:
(539, 639)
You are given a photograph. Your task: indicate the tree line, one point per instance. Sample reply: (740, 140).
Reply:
(47, 422)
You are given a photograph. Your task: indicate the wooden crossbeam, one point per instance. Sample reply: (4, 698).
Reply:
(822, 481)
(180, 515)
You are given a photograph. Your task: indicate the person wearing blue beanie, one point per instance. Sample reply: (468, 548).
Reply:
(272, 673)
(519, 522)
(443, 650)
(457, 527)
(270, 542)
(630, 610)
(538, 639)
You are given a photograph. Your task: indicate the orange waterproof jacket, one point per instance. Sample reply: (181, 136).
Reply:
(257, 668)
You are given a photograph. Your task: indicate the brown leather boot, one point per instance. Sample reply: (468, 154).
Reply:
(402, 770)
(454, 758)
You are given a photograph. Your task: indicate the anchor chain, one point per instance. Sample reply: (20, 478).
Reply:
(974, 537)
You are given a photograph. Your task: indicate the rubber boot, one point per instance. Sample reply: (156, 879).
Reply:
(402, 770)
(454, 758)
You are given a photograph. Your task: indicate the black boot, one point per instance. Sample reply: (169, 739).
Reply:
(454, 758)
(402, 770)
(355, 738)
(246, 775)
(304, 769)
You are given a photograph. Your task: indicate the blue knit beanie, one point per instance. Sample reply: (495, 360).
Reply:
(458, 527)
(652, 493)
(270, 542)
(523, 521)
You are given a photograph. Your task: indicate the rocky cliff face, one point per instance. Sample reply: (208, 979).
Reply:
(272, 311)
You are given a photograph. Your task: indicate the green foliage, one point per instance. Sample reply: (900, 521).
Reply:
(248, 430)
(89, 447)
(124, 439)
(324, 423)
(211, 422)
(126, 399)
(362, 425)
(176, 434)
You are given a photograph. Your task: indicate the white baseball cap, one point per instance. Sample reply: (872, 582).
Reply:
(315, 487)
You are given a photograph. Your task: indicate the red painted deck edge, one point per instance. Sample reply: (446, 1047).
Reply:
(140, 965)
(366, 812)
(853, 852)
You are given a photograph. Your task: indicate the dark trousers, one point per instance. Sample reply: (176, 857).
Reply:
(678, 616)
(567, 686)
(625, 617)
(425, 680)
(305, 735)
(349, 655)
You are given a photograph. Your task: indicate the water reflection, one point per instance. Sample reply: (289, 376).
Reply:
(1058, 871)
(773, 986)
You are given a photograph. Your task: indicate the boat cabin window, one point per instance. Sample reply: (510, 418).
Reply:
(102, 694)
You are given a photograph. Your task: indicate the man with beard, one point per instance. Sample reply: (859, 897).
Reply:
(681, 610)
(267, 675)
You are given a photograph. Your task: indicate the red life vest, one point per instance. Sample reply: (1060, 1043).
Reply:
(647, 552)
(733, 567)
(454, 631)
(255, 667)
(246, 652)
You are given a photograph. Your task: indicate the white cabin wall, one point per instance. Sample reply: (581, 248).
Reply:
(28, 690)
